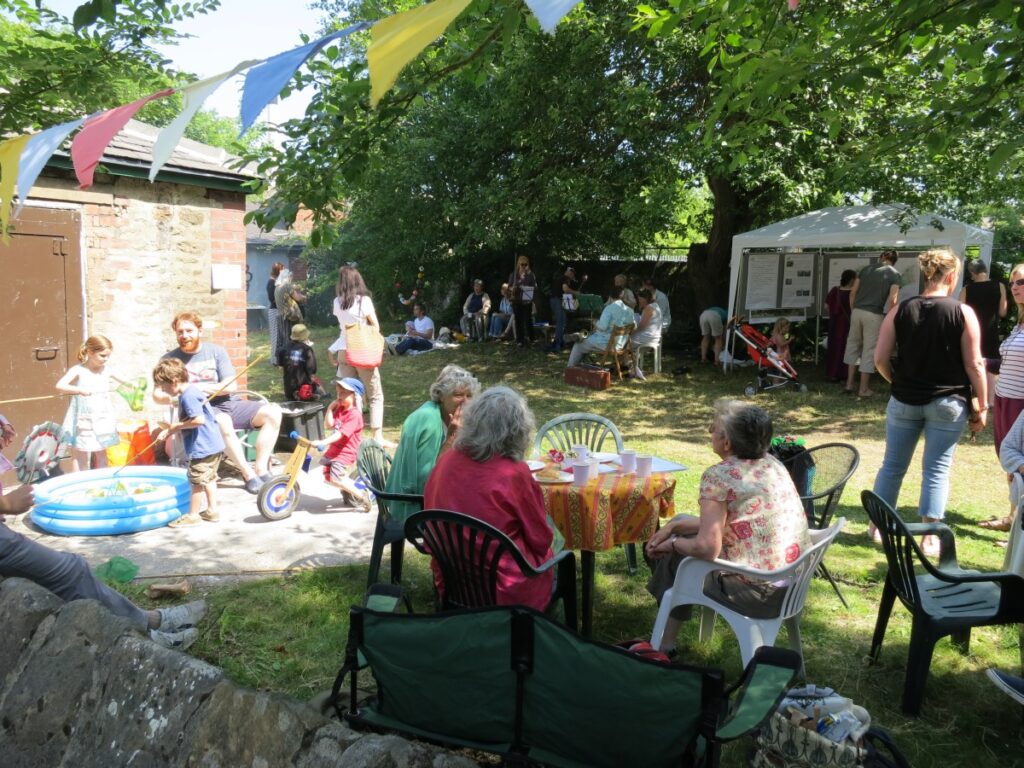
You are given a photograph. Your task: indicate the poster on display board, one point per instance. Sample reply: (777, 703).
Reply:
(797, 280)
(906, 265)
(762, 281)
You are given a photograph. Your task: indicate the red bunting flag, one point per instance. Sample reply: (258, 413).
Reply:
(89, 143)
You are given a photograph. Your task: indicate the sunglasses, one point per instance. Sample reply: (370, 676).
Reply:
(1018, 282)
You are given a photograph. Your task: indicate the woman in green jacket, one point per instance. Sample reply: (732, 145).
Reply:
(426, 433)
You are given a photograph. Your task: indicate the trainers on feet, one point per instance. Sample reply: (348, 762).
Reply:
(184, 520)
(210, 517)
(1009, 684)
(181, 616)
(176, 640)
(252, 485)
(639, 374)
(265, 478)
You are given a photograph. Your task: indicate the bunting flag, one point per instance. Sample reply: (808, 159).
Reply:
(398, 39)
(10, 155)
(264, 82)
(89, 143)
(38, 150)
(550, 12)
(192, 97)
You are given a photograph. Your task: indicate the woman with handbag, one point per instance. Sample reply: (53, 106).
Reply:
(360, 346)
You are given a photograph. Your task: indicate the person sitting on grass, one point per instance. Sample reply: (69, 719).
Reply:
(419, 333)
(204, 445)
(344, 420)
(69, 577)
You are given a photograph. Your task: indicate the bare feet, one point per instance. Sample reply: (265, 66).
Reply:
(930, 545)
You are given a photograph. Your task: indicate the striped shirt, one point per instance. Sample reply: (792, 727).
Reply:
(1011, 370)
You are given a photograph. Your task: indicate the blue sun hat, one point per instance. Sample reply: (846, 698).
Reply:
(352, 385)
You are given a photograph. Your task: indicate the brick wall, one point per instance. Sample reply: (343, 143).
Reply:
(148, 254)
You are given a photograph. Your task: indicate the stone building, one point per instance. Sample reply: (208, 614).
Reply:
(120, 259)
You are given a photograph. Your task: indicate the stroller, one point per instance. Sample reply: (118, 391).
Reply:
(772, 371)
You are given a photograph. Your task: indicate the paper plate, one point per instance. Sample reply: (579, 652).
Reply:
(562, 477)
(534, 465)
(603, 458)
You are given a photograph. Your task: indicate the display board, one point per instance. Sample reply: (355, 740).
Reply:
(777, 284)
(835, 262)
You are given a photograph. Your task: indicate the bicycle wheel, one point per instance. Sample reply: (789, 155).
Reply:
(273, 502)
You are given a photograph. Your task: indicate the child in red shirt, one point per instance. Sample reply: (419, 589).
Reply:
(345, 421)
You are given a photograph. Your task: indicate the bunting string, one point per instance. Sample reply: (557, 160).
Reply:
(394, 42)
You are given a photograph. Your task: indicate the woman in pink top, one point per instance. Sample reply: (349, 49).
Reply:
(484, 475)
(750, 514)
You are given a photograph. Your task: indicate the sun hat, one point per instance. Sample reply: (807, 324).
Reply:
(352, 385)
(300, 333)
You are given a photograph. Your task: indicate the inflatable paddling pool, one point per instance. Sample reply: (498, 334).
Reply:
(102, 503)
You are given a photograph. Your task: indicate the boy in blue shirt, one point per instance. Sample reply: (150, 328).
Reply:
(204, 445)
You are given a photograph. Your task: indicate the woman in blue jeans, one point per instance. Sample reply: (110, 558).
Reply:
(938, 385)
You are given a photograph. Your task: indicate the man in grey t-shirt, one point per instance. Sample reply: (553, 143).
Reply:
(211, 370)
(874, 293)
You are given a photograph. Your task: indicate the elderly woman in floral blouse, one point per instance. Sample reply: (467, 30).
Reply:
(750, 514)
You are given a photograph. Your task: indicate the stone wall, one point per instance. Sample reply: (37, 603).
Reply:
(79, 687)
(148, 252)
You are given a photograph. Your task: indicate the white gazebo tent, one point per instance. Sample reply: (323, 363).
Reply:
(861, 227)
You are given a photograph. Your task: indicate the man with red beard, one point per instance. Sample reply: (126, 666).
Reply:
(210, 369)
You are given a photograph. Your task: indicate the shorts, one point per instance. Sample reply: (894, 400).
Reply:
(335, 471)
(711, 323)
(203, 471)
(241, 411)
(863, 338)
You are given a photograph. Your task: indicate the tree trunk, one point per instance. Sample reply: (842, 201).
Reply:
(708, 263)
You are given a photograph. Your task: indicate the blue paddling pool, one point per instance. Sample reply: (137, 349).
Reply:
(103, 502)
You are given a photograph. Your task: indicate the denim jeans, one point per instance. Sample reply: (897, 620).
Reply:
(942, 421)
(413, 342)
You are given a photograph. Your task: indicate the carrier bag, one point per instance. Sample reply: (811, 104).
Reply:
(364, 346)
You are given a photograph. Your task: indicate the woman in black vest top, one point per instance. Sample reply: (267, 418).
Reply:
(938, 362)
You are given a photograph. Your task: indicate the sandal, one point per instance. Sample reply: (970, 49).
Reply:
(996, 524)
(931, 546)
(874, 534)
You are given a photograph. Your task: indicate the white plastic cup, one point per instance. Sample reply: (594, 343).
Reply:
(643, 464)
(627, 461)
(581, 473)
(581, 451)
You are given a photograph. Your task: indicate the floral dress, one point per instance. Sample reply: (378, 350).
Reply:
(765, 524)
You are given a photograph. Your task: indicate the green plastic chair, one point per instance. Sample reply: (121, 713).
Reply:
(510, 681)
(943, 599)
(373, 465)
(591, 430)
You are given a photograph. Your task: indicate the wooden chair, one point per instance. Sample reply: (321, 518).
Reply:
(619, 349)
(752, 633)
(943, 600)
(373, 465)
(591, 430)
(820, 474)
(468, 552)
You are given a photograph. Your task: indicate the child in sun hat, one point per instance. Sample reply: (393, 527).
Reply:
(344, 422)
(299, 366)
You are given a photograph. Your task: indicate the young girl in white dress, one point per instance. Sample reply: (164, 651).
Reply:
(90, 419)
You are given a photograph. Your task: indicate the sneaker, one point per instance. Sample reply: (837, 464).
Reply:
(210, 517)
(252, 485)
(184, 520)
(637, 373)
(179, 641)
(181, 616)
(1011, 685)
(264, 479)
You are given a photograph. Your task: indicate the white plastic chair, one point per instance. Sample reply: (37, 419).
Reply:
(688, 589)
(655, 347)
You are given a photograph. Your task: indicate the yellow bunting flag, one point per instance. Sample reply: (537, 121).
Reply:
(10, 158)
(398, 39)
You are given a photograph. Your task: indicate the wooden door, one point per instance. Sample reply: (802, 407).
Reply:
(41, 321)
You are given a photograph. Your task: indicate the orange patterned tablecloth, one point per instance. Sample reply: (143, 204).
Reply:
(611, 510)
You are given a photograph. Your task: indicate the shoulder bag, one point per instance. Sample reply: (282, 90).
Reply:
(364, 346)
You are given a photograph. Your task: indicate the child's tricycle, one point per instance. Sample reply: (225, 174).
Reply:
(280, 494)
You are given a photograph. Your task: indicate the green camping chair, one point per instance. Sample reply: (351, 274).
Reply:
(510, 681)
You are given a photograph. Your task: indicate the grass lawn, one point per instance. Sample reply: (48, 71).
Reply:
(287, 634)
